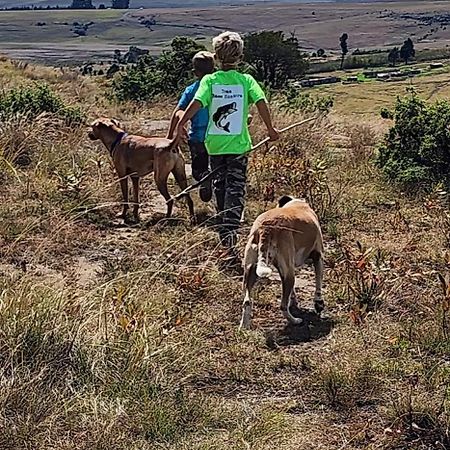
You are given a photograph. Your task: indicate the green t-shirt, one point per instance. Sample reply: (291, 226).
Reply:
(228, 95)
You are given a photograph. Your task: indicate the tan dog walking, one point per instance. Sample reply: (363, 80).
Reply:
(286, 237)
(137, 156)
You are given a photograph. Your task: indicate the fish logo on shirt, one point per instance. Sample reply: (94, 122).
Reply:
(222, 114)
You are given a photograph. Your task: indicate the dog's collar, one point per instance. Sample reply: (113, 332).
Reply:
(118, 140)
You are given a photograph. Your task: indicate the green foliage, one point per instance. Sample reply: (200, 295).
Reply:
(293, 100)
(274, 58)
(386, 113)
(34, 100)
(407, 50)
(344, 47)
(153, 77)
(120, 4)
(376, 59)
(417, 147)
(394, 56)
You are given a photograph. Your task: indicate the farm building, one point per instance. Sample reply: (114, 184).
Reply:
(318, 81)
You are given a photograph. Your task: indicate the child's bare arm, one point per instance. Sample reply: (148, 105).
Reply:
(173, 123)
(190, 112)
(263, 110)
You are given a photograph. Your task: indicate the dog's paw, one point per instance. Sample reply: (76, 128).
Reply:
(244, 325)
(295, 320)
(319, 305)
(128, 220)
(291, 319)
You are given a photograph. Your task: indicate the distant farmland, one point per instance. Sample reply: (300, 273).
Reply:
(48, 35)
(158, 3)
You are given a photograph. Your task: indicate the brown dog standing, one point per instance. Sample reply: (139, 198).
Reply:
(286, 237)
(137, 156)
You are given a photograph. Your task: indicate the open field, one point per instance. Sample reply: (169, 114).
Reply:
(370, 25)
(366, 99)
(135, 4)
(125, 338)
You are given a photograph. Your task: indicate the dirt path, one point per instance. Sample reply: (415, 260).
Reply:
(305, 281)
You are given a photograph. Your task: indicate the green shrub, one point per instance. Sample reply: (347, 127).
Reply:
(417, 147)
(34, 100)
(153, 77)
(293, 99)
(274, 58)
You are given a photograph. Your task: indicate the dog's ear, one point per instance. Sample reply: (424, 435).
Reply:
(283, 200)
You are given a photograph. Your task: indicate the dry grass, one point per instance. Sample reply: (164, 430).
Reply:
(126, 338)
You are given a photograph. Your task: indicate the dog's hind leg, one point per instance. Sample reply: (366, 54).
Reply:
(124, 188)
(299, 262)
(317, 258)
(136, 200)
(161, 176)
(285, 265)
(287, 298)
(179, 172)
(250, 278)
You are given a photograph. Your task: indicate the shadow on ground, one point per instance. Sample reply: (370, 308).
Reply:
(161, 221)
(312, 329)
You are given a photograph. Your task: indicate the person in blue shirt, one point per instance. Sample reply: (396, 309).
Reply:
(203, 64)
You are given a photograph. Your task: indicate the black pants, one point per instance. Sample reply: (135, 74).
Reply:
(229, 189)
(200, 160)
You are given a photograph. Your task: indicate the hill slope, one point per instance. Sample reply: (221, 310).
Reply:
(143, 3)
(315, 25)
(125, 338)
(172, 3)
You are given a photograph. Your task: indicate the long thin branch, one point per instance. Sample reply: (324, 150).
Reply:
(217, 169)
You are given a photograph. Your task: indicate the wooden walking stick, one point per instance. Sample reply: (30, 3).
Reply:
(217, 169)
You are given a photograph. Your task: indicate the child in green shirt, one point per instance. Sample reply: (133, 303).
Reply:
(228, 95)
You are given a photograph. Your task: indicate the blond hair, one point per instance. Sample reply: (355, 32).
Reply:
(203, 63)
(229, 48)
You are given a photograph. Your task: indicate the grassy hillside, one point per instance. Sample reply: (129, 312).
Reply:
(151, 3)
(366, 99)
(319, 25)
(119, 337)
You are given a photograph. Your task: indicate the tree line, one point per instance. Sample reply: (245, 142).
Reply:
(270, 56)
(406, 52)
(76, 4)
(87, 4)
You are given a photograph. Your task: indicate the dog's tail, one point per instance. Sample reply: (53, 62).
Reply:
(262, 269)
(174, 146)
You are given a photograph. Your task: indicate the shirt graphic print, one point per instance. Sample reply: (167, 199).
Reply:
(227, 110)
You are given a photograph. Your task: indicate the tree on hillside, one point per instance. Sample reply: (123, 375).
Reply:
(321, 53)
(344, 47)
(120, 4)
(82, 4)
(166, 75)
(407, 50)
(394, 56)
(274, 58)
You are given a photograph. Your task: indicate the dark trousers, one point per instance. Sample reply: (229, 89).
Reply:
(200, 160)
(229, 189)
